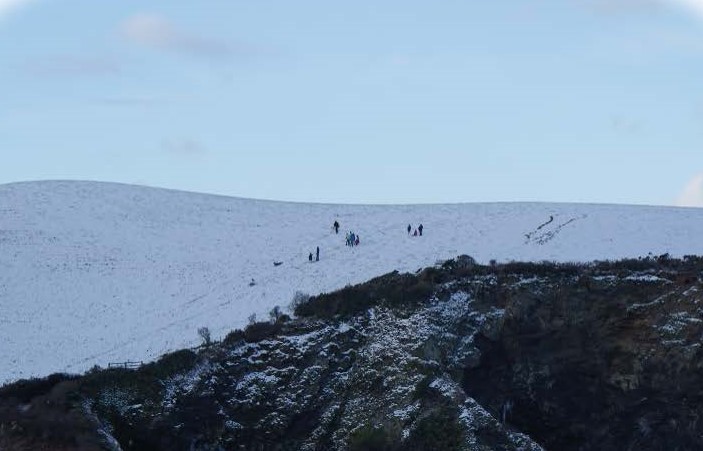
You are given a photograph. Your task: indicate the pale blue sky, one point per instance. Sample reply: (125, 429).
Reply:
(370, 102)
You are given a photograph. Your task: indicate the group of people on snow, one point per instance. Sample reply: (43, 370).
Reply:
(317, 255)
(352, 239)
(418, 229)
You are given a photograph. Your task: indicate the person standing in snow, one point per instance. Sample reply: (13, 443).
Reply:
(310, 257)
(336, 227)
(415, 233)
(419, 229)
(409, 229)
(317, 254)
(353, 238)
(356, 242)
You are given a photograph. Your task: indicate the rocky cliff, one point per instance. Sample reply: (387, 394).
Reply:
(460, 356)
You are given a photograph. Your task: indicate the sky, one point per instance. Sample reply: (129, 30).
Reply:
(359, 102)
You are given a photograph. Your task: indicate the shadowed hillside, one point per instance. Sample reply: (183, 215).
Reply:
(519, 356)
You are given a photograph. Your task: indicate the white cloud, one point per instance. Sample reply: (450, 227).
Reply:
(150, 30)
(624, 6)
(695, 6)
(157, 32)
(692, 195)
(7, 6)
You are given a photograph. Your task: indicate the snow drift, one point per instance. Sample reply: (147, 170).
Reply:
(93, 273)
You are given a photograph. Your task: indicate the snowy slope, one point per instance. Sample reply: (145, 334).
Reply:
(92, 273)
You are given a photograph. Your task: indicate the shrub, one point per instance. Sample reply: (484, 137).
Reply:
(542, 269)
(439, 430)
(626, 265)
(414, 294)
(260, 331)
(275, 314)
(422, 389)
(233, 338)
(369, 438)
(393, 289)
(25, 390)
(432, 275)
(204, 333)
(299, 298)
(48, 421)
(175, 362)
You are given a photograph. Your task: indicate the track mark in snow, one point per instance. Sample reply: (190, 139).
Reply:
(549, 235)
(196, 299)
(528, 236)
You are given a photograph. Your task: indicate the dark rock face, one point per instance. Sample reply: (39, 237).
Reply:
(512, 357)
(598, 363)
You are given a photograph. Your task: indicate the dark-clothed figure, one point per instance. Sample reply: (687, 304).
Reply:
(336, 227)
(419, 229)
(317, 254)
(409, 229)
(310, 257)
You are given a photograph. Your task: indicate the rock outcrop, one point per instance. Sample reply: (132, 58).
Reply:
(461, 356)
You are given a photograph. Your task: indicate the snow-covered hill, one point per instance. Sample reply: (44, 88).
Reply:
(93, 273)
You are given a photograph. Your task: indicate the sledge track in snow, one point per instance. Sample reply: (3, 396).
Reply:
(549, 235)
(528, 236)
